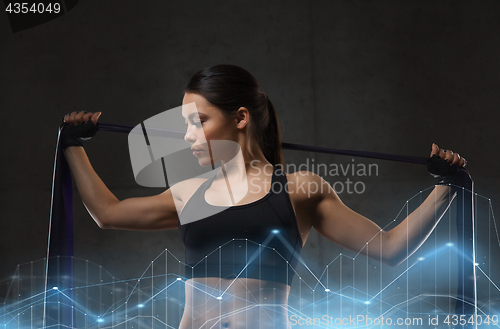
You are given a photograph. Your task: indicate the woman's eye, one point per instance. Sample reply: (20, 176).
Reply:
(194, 123)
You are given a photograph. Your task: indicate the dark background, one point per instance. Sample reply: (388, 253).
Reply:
(385, 76)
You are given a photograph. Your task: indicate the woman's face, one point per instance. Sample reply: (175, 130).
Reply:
(211, 134)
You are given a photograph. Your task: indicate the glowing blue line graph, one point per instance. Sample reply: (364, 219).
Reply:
(346, 285)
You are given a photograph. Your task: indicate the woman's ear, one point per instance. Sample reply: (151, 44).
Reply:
(242, 117)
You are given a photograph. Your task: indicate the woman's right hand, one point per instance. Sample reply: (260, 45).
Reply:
(78, 117)
(78, 127)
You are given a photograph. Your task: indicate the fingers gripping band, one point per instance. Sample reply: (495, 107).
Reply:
(75, 135)
(447, 174)
(62, 119)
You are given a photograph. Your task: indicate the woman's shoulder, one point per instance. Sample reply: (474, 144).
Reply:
(306, 185)
(303, 176)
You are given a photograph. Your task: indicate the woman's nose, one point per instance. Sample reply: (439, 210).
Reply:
(189, 136)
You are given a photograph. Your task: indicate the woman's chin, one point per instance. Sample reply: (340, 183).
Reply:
(204, 162)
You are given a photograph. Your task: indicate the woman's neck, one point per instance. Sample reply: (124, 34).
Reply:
(246, 163)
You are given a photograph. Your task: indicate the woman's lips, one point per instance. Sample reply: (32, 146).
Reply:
(195, 152)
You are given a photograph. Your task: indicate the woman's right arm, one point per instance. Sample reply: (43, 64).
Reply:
(143, 213)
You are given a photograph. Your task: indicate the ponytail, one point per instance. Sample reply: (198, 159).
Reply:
(270, 143)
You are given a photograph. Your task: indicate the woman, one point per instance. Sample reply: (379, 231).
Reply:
(251, 289)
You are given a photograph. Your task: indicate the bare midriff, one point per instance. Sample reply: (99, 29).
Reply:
(240, 304)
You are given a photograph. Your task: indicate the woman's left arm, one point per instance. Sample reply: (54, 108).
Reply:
(338, 223)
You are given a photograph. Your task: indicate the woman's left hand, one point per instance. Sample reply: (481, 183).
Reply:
(448, 155)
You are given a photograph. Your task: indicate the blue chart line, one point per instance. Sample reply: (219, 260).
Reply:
(347, 287)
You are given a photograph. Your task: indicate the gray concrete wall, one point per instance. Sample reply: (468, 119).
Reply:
(385, 76)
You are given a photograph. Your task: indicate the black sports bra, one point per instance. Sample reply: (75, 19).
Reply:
(258, 240)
